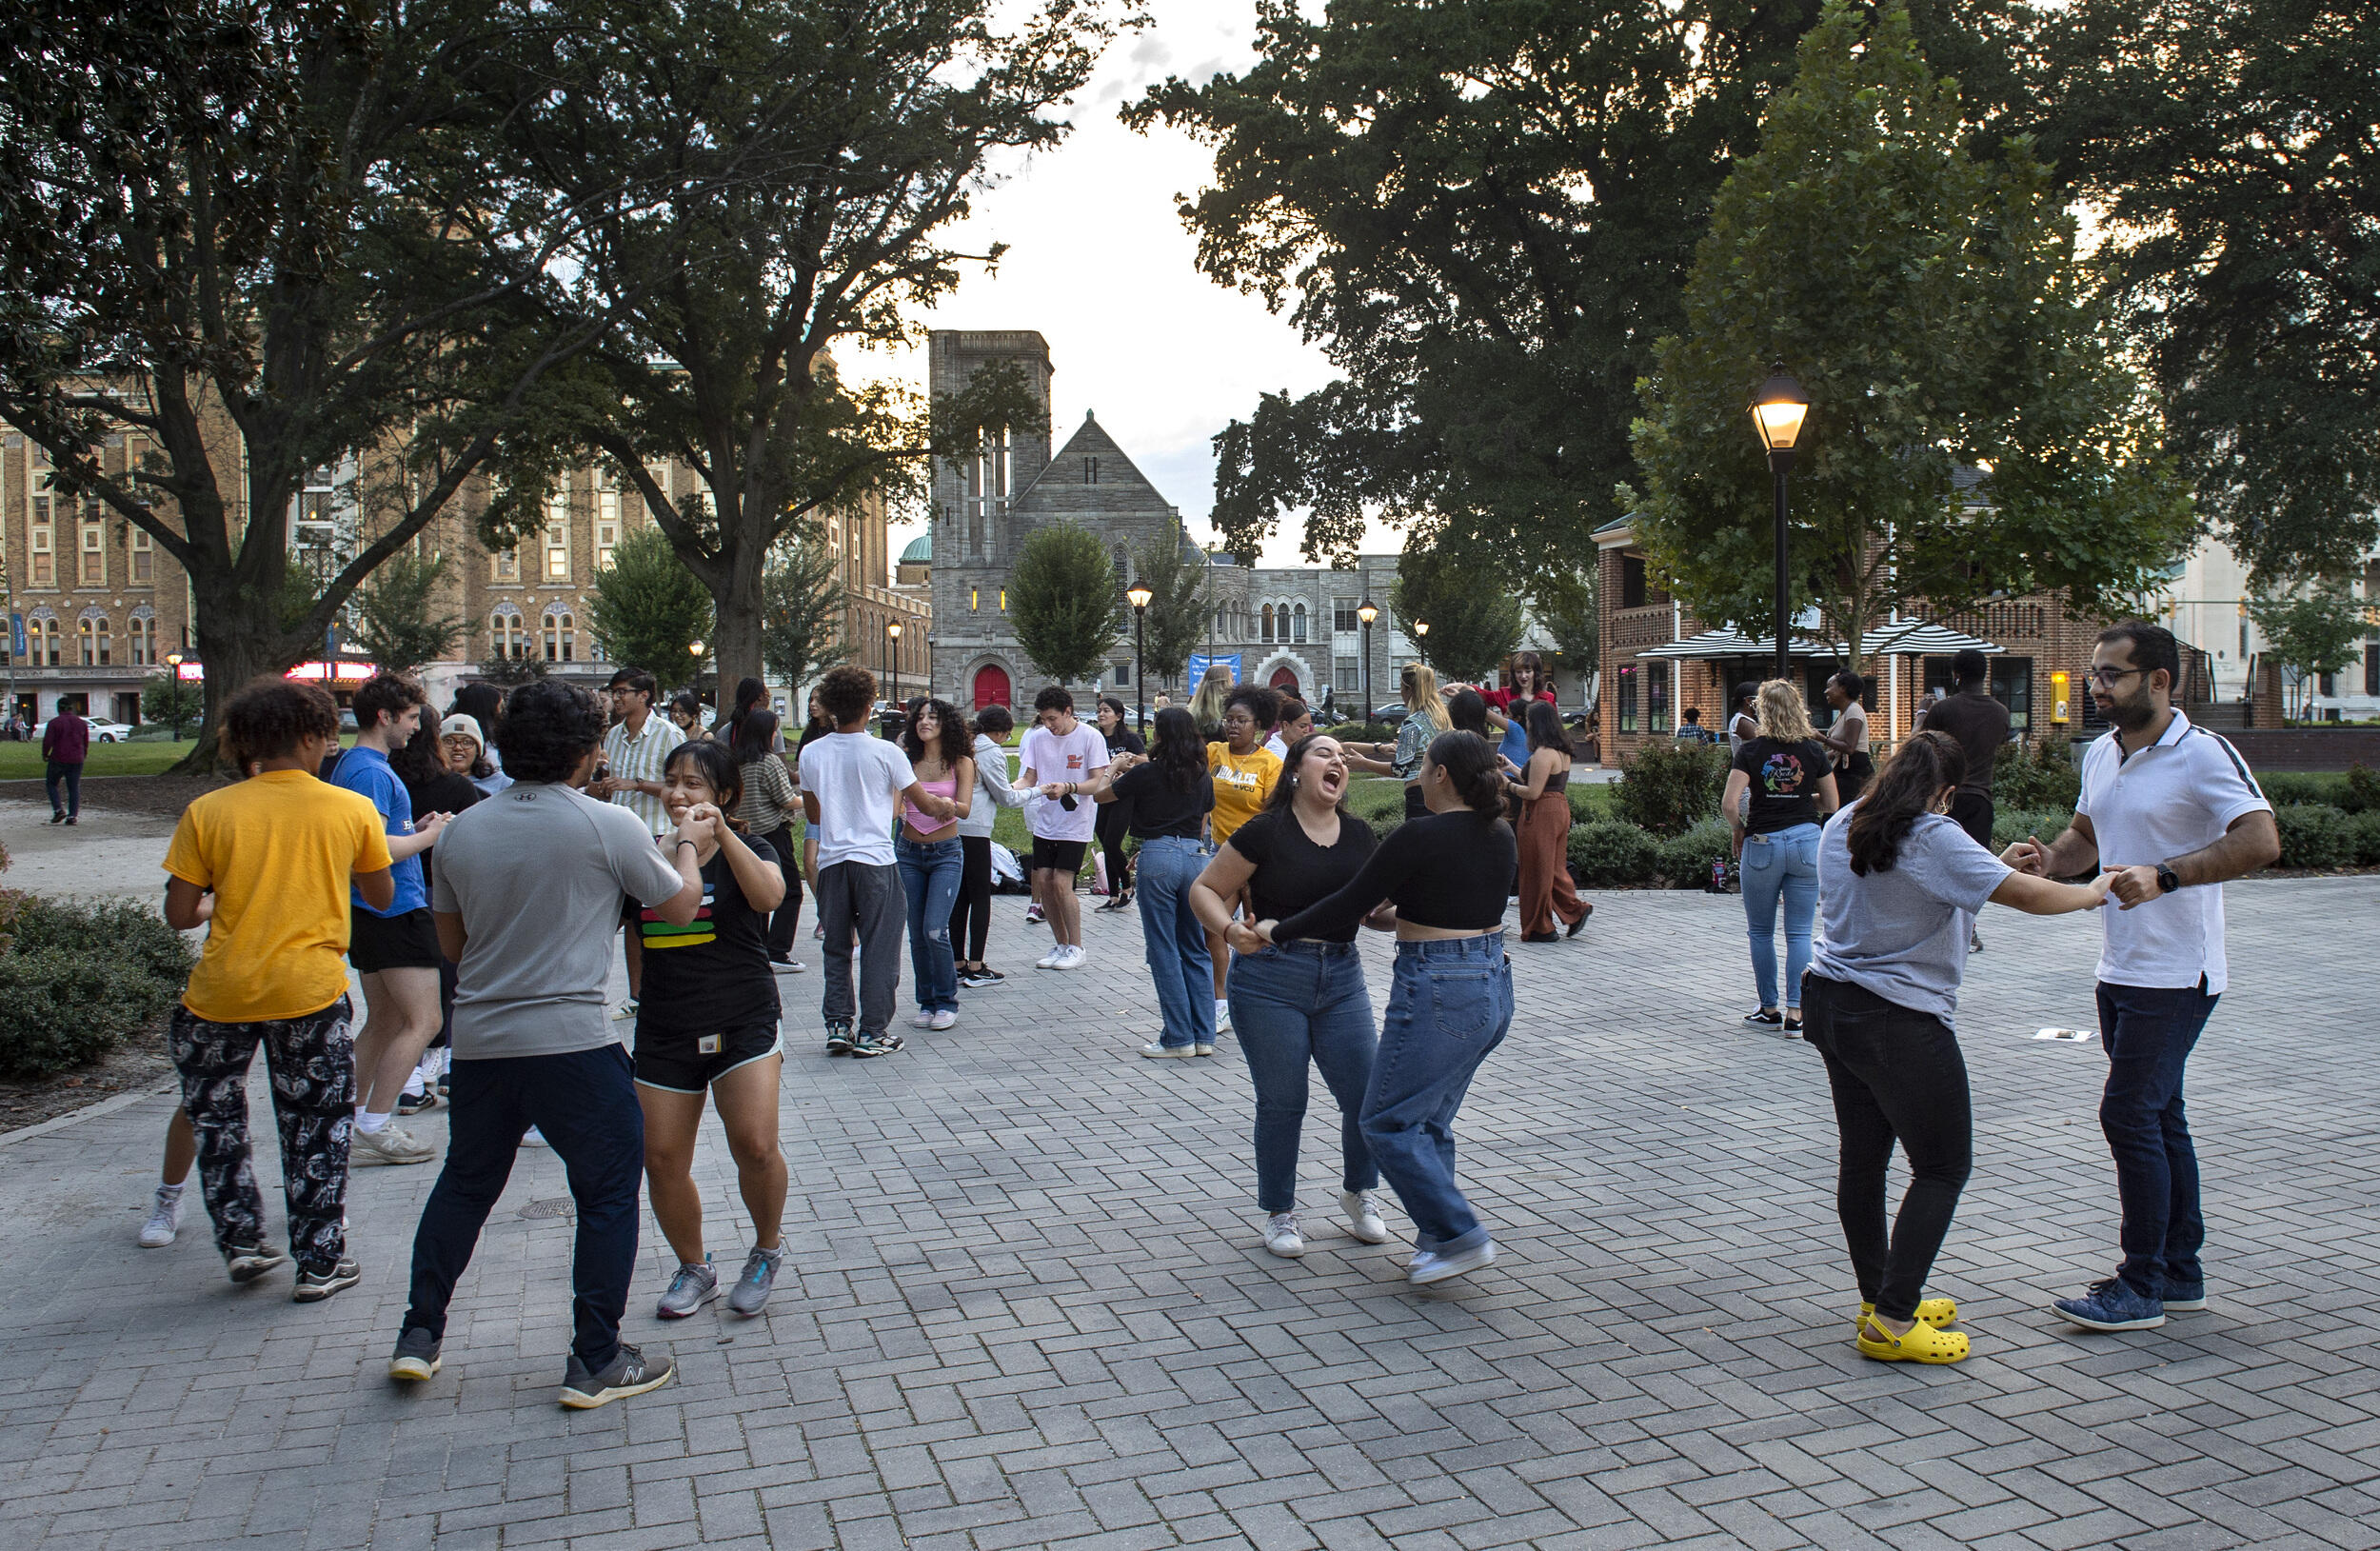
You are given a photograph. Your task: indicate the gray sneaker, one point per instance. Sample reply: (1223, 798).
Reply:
(630, 1373)
(760, 1276)
(416, 1357)
(165, 1218)
(391, 1144)
(839, 1038)
(248, 1262)
(693, 1286)
(867, 1046)
(316, 1283)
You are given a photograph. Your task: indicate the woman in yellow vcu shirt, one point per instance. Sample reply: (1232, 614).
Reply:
(1244, 772)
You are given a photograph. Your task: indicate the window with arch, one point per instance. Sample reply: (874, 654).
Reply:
(561, 639)
(506, 636)
(41, 638)
(143, 634)
(91, 632)
(1298, 624)
(1264, 631)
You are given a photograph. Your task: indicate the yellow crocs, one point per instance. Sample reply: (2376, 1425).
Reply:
(1936, 1312)
(1924, 1343)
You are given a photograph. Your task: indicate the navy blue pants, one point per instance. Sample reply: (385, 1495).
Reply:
(585, 1105)
(2147, 1033)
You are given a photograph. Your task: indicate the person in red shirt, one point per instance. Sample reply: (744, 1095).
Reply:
(65, 744)
(1510, 721)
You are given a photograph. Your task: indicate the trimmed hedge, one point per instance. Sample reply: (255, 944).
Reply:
(1362, 732)
(1668, 788)
(1686, 860)
(78, 980)
(2353, 791)
(2315, 835)
(2367, 825)
(1612, 851)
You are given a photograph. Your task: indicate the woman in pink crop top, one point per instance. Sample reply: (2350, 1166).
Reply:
(931, 859)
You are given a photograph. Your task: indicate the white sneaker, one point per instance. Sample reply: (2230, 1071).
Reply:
(921, 1018)
(944, 1018)
(624, 1011)
(1282, 1236)
(1430, 1266)
(1222, 1017)
(1049, 960)
(1071, 958)
(392, 1144)
(165, 1220)
(1363, 1217)
(1159, 1051)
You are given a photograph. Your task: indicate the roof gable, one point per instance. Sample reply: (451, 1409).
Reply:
(1063, 484)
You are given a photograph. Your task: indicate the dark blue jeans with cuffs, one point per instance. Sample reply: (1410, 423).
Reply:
(2149, 1032)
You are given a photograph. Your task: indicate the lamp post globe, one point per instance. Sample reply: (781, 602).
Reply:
(1367, 611)
(1139, 595)
(1778, 408)
(173, 694)
(1421, 637)
(893, 630)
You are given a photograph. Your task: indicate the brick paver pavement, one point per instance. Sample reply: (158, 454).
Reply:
(1030, 1307)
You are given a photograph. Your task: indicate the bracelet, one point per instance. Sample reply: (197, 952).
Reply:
(696, 845)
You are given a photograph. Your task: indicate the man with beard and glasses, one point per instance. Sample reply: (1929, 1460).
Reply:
(2171, 810)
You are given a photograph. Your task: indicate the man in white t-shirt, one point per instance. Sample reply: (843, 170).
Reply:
(852, 786)
(1059, 755)
(2171, 810)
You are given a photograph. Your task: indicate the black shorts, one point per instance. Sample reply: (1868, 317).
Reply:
(678, 1063)
(1058, 855)
(1972, 811)
(406, 942)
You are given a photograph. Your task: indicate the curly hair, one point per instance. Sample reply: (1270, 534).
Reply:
(549, 727)
(423, 758)
(951, 742)
(385, 694)
(272, 716)
(1264, 705)
(1054, 697)
(847, 693)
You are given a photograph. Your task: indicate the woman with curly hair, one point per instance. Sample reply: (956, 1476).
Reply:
(932, 862)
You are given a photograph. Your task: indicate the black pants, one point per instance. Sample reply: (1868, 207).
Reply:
(1414, 807)
(1114, 822)
(1853, 779)
(784, 923)
(312, 1060)
(1973, 812)
(1898, 1075)
(585, 1105)
(70, 775)
(971, 914)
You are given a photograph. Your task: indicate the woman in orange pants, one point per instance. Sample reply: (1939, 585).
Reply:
(1544, 832)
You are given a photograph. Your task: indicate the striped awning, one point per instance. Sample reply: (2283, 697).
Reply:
(1912, 638)
(1733, 643)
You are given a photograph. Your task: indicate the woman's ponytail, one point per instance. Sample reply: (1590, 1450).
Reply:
(1904, 790)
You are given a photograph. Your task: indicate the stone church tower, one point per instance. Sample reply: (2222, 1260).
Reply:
(985, 509)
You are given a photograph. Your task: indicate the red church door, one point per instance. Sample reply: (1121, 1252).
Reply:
(1285, 677)
(991, 685)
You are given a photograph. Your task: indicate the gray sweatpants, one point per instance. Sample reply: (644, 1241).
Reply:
(854, 898)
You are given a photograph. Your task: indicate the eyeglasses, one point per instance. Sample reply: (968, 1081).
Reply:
(2107, 678)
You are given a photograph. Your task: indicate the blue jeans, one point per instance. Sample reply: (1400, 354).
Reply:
(1175, 942)
(1450, 1004)
(2149, 1033)
(1784, 864)
(585, 1105)
(930, 871)
(1289, 1004)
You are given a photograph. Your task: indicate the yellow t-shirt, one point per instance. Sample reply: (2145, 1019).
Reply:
(1243, 782)
(276, 849)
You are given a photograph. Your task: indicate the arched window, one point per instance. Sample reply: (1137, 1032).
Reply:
(92, 631)
(560, 639)
(41, 638)
(1265, 632)
(1298, 624)
(144, 633)
(506, 635)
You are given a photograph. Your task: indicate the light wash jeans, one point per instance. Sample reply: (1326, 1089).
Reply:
(930, 871)
(1292, 1003)
(1784, 864)
(1175, 942)
(1450, 1004)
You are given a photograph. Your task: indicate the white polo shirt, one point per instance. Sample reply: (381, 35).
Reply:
(2176, 796)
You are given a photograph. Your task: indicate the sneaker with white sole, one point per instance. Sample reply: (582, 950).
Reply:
(1222, 1017)
(693, 1286)
(416, 1357)
(868, 1045)
(1282, 1236)
(922, 1018)
(630, 1373)
(839, 1041)
(247, 1262)
(313, 1285)
(165, 1218)
(1159, 1051)
(1363, 1217)
(1070, 957)
(758, 1279)
(1428, 1265)
(391, 1144)
(1201, 1049)
(944, 1018)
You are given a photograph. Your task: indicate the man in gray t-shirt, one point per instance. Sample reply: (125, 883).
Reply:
(526, 908)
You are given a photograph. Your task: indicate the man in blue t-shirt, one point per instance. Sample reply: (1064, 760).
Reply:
(395, 949)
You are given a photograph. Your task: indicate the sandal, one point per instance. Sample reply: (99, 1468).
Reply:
(1923, 1344)
(1934, 1311)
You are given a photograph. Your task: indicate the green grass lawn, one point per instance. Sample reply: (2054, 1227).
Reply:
(22, 761)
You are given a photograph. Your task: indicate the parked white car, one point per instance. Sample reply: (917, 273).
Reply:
(102, 731)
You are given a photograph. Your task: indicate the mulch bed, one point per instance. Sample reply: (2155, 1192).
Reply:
(133, 1067)
(165, 795)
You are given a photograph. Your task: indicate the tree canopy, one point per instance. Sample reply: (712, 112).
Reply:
(1930, 304)
(1474, 623)
(1064, 601)
(647, 609)
(1179, 598)
(802, 613)
(396, 622)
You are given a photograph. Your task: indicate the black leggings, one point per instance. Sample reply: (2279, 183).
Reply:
(971, 913)
(784, 923)
(1898, 1075)
(1114, 822)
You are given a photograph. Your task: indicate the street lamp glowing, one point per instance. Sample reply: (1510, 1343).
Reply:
(1367, 611)
(1778, 408)
(1420, 629)
(895, 632)
(695, 648)
(1139, 595)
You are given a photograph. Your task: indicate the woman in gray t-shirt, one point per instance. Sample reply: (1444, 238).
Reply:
(1900, 885)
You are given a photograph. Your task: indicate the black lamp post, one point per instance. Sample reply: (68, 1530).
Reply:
(1139, 597)
(1422, 638)
(1367, 611)
(1778, 407)
(173, 693)
(892, 656)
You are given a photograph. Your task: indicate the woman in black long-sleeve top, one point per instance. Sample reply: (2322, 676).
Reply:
(1450, 1001)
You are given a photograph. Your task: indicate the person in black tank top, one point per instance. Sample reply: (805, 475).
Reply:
(1305, 1001)
(1452, 998)
(1546, 892)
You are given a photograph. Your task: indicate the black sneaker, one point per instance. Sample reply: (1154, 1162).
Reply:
(248, 1262)
(876, 1044)
(413, 1104)
(629, 1373)
(1770, 1018)
(839, 1038)
(416, 1357)
(314, 1285)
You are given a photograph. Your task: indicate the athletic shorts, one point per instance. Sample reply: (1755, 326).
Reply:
(405, 942)
(1058, 855)
(679, 1063)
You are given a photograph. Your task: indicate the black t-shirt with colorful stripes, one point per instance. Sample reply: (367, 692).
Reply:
(711, 975)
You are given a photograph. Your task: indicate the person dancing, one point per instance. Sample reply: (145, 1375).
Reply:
(932, 862)
(1165, 798)
(1783, 772)
(1545, 836)
(1901, 884)
(1303, 1002)
(1450, 1001)
(971, 913)
(1244, 772)
(766, 810)
(1111, 823)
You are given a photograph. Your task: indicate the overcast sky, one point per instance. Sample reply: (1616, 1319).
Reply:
(1101, 266)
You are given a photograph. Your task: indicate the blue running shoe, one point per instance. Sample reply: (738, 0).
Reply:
(2112, 1305)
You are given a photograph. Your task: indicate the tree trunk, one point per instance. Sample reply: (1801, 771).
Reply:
(737, 653)
(239, 639)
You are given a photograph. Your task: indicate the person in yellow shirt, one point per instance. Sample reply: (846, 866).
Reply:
(265, 864)
(1244, 772)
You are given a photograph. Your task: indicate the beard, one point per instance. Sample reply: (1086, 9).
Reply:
(2133, 713)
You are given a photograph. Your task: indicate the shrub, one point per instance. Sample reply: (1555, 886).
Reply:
(1585, 806)
(2315, 835)
(1379, 803)
(1686, 860)
(2041, 776)
(2367, 830)
(2304, 788)
(2362, 794)
(1611, 852)
(1363, 732)
(79, 978)
(2011, 824)
(1668, 787)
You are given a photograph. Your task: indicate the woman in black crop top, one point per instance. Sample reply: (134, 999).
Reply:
(1450, 1001)
(1301, 1002)
(1544, 835)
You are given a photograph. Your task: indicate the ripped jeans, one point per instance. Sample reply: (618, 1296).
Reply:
(930, 871)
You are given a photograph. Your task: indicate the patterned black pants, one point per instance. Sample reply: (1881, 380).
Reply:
(313, 1063)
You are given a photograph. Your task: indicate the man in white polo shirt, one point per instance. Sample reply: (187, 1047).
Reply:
(2171, 810)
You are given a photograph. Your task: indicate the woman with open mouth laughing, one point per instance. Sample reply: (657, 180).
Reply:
(1305, 1001)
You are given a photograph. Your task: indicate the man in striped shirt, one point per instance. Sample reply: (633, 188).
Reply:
(635, 749)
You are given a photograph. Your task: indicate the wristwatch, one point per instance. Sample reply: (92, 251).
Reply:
(2168, 879)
